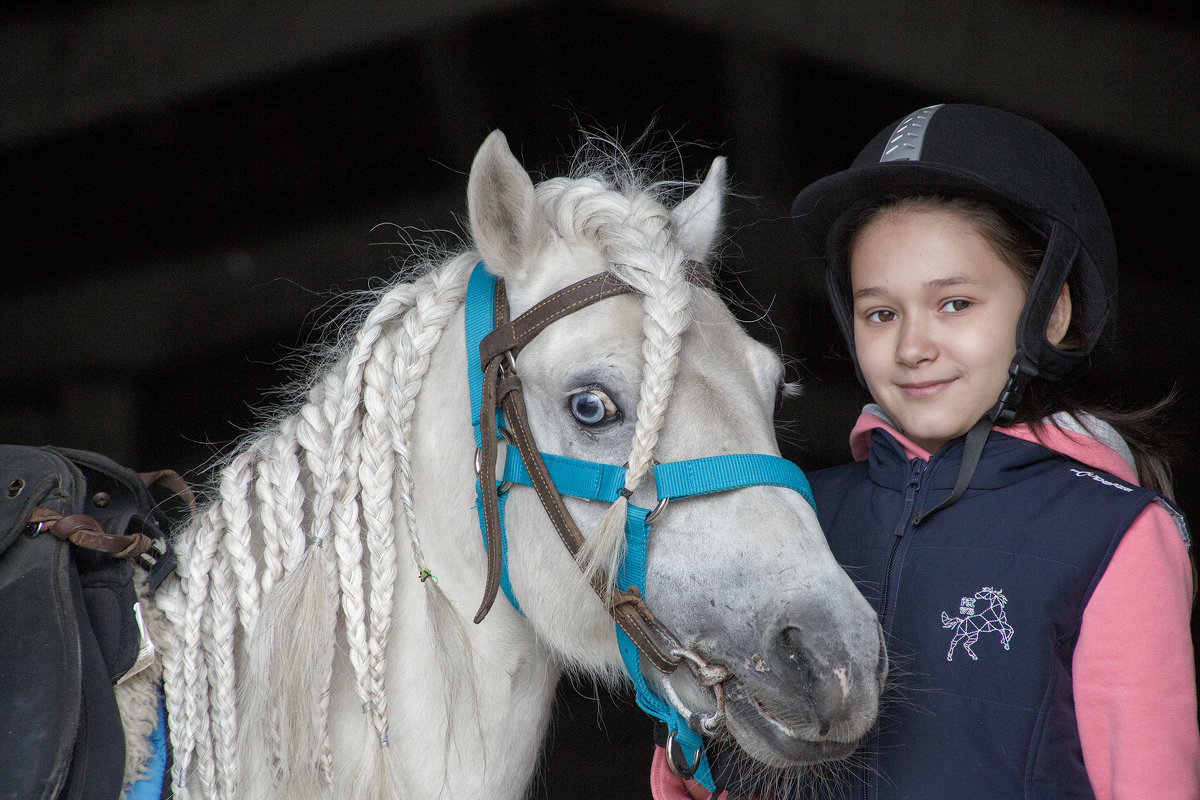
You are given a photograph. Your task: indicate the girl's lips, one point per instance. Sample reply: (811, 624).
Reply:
(924, 388)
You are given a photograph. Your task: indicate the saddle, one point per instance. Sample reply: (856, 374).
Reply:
(74, 527)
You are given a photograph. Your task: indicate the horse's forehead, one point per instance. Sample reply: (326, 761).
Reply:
(716, 341)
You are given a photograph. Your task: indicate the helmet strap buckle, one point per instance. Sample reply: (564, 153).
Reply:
(1020, 373)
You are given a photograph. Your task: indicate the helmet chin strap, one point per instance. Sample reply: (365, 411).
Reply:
(1020, 373)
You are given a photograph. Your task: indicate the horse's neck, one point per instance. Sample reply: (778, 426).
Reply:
(470, 702)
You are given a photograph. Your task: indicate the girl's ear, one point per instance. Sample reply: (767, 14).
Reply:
(1060, 317)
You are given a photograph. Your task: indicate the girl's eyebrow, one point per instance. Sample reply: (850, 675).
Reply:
(952, 280)
(935, 284)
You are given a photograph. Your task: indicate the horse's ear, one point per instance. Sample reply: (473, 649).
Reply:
(500, 203)
(697, 220)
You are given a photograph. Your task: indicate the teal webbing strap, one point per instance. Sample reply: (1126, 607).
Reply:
(591, 480)
(632, 572)
(478, 324)
(587, 480)
(477, 321)
(722, 473)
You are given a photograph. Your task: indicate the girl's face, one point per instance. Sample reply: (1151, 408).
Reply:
(935, 321)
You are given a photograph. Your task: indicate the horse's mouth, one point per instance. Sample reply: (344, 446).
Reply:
(779, 738)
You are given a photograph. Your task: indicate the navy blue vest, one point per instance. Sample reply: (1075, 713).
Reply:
(981, 605)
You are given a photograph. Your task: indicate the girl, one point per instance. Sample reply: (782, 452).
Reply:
(1035, 598)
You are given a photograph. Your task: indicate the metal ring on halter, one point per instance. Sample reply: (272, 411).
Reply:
(658, 509)
(662, 504)
(710, 676)
(506, 436)
(675, 755)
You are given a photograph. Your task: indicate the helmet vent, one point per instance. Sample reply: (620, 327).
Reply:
(906, 141)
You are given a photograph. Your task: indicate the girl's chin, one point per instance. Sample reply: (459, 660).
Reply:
(932, 438)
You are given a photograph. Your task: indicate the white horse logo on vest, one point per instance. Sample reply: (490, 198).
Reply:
(969, 626)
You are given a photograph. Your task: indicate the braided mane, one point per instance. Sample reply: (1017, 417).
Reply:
(312, 520)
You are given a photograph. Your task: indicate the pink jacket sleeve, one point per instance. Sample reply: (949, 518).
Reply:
(1134, 675)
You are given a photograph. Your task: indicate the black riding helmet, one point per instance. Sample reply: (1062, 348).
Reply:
(1014, 164)
(1021, 168)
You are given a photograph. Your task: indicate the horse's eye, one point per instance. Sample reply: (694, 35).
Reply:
(592, 406)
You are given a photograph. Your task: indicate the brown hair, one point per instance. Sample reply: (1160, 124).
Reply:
(1022, 249)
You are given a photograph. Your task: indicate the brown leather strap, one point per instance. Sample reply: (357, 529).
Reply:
(510, 337)
(487, 485)
(627, 608)
(84, 531)
(503, 388)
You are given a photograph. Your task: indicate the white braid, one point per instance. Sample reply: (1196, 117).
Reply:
(268, 519)
(235, 513)
(218, 625)
(288, 489)
(376, 467)
(634, 232)
(184, 673)
(313, 434)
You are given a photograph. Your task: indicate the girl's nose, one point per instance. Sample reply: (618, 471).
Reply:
(915, 343)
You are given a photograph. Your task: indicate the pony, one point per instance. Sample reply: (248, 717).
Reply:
(322, 639)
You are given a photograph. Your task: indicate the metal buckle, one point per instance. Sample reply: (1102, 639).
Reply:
(510, 363)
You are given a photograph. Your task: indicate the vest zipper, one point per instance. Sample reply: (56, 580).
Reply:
(916, 472)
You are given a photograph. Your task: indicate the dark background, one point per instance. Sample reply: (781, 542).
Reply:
(187, 187)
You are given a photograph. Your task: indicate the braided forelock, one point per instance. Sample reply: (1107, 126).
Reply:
(634, 233)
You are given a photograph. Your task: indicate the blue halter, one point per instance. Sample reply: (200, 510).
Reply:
(590, 480)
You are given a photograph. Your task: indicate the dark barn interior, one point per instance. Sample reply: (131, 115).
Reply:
(190, 186)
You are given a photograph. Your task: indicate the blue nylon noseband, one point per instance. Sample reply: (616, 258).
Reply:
(591, 480)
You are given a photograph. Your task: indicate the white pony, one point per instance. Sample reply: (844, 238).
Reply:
(319, 638)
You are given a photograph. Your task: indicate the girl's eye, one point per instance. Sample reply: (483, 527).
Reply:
(592, 406)
(881, 315)
(957, 304)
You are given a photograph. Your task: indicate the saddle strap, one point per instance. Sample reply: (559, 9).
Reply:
(502, 388)
(84, 531)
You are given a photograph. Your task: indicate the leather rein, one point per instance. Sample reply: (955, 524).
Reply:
(502, 388)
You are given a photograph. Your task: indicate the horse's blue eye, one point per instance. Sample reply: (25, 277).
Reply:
(591, 407)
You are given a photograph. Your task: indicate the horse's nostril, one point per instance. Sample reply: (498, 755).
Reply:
(790, 636)
(794, 651)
